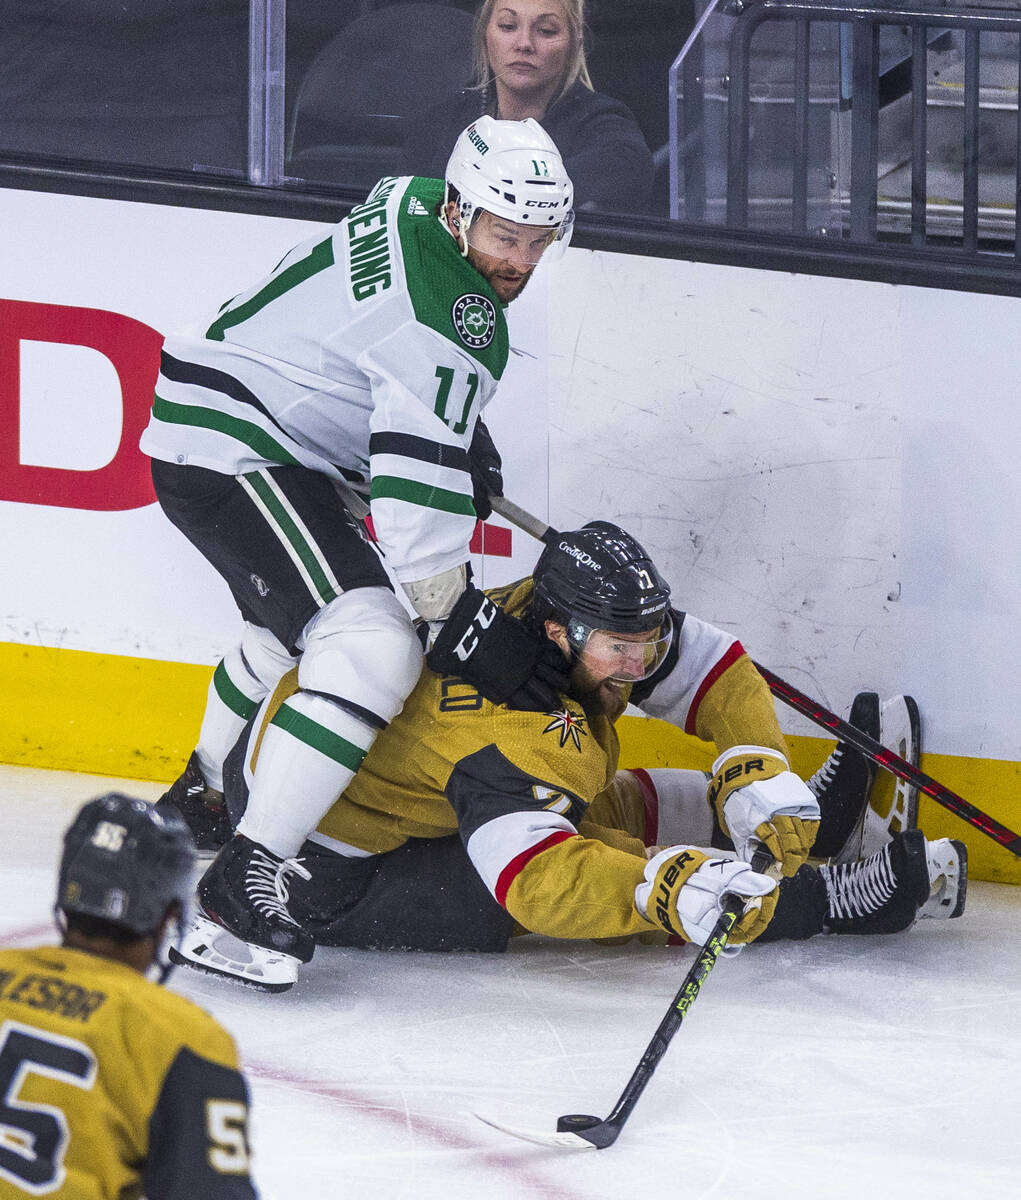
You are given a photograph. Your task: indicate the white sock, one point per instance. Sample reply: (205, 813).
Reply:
(310, 752)
(684, 814)
(233, 696)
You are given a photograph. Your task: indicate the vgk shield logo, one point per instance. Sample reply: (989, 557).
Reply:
(474, 319)
(569, 725)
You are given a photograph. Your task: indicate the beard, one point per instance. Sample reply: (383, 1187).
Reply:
(498, 285)
(491, 276)
(598, 698)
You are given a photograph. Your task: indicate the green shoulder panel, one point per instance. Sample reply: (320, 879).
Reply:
(447, 293)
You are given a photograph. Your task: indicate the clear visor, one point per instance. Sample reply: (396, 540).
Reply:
(517, 243)
(621, 657)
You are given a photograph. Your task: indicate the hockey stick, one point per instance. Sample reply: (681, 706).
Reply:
(815, 712)
(579, 1131)
(896, 765)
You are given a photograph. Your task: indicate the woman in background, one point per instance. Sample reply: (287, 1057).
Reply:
(528, 60)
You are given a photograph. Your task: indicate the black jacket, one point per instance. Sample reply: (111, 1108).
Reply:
(602, 146)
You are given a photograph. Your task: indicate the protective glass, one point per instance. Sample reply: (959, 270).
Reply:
(517, 243)
(621, 657)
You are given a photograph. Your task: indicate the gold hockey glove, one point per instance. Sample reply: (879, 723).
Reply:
(758, 799)
(684, 889)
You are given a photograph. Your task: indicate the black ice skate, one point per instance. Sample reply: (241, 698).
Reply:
(910, 878)
(843, 783)
(243, 929)
(201, 806)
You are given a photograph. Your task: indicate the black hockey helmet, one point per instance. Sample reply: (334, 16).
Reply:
(126, 863)
(603, 577)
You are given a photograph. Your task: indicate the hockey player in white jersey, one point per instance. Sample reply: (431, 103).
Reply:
(362, 363)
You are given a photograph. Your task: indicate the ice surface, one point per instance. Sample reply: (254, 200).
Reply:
(836, 1068)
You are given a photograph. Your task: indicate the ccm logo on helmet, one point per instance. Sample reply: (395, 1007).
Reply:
(586, 560)
(542, 203)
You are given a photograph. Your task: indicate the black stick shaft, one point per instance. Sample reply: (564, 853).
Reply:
(732, 911)
(733, 907)
(893, 763)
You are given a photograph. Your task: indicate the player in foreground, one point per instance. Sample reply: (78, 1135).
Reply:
(364, 360)
(109, 1084)
(469, 821)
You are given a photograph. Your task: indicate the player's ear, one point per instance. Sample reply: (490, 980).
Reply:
(557, 633)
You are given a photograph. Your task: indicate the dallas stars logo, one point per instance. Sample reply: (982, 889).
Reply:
(474, 319)
(568, 725)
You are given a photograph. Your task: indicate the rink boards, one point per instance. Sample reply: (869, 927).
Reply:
(824, 467)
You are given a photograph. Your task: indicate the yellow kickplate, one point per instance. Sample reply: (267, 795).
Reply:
(137, 718)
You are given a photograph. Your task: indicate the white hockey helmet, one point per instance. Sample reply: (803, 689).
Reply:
(513, 170)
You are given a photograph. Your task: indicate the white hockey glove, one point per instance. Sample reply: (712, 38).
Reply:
(758, 799)
(684, 889)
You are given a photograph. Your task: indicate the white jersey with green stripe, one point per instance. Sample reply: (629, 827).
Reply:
(368, 355)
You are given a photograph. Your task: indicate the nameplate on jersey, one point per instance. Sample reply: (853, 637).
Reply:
(368, 243)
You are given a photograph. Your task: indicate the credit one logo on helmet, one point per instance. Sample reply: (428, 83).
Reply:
(474, 319)
(586, 560)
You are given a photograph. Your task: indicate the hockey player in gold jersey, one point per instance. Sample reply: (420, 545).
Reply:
(470, 821)
(111, 1086)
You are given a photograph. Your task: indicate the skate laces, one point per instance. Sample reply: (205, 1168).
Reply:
(266, 883)
(859, 889)
(824, 776)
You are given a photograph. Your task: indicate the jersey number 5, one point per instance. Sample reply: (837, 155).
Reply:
(34, 1137)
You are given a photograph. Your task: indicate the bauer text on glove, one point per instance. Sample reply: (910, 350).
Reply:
(684, 888)
(757, 798)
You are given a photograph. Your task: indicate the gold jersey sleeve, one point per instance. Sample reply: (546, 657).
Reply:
(737, 710)
(113, 1086)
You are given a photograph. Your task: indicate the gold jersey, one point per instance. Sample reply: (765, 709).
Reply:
(517, 786)
(112, 1088)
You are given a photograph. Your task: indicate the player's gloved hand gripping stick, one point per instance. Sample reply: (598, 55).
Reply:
(579, 1131)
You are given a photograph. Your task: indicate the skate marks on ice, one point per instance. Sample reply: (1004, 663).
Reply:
(881, 1065)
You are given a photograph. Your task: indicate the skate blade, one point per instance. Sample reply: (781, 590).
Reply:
(948, 874)
(210, 948)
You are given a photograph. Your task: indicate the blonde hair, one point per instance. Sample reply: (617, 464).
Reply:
(577, 68)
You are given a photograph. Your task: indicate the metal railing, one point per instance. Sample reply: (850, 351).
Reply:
(859, 27)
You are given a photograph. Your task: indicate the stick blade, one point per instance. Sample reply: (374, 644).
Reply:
(558, 1140)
